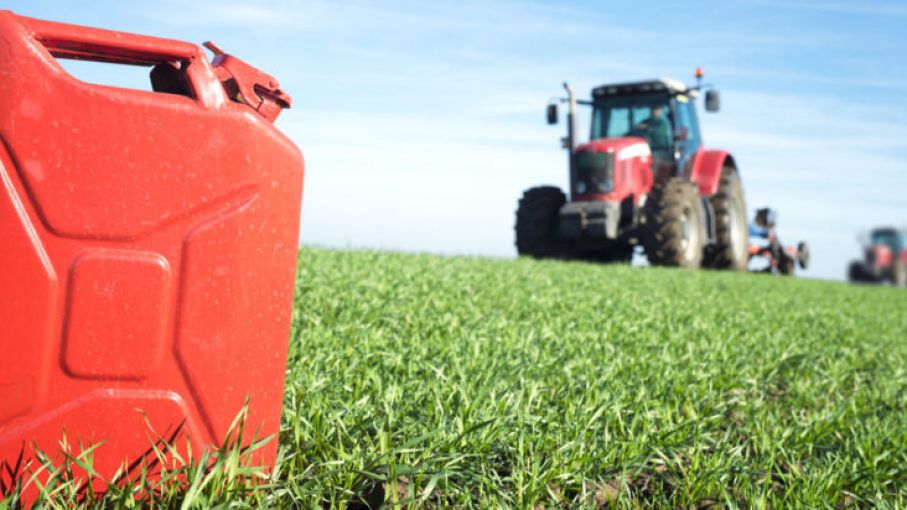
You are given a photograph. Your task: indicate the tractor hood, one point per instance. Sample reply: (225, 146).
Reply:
(623, 148)
(601, 165)
(880, 255)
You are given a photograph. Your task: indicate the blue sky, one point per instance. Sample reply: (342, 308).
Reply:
(422, 122)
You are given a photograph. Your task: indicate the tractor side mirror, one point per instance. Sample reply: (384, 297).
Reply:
(712, 101)
(552, 113)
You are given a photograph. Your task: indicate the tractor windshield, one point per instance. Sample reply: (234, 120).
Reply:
(889, 238)
(635, 116)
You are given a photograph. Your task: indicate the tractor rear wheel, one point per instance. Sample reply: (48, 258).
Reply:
(674, 230)
(899, 274)
(536, 223)
(731, 232)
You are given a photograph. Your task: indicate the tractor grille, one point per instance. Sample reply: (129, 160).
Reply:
(594, 173)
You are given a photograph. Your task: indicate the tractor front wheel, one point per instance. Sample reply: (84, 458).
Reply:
(731, 230)
(674, 230)
(857, 273)
(536, 222)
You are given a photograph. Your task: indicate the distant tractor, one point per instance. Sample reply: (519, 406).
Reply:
(644, 178)
(781, 259)
(884, 258)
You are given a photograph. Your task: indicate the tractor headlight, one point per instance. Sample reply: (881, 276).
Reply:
(581, 187)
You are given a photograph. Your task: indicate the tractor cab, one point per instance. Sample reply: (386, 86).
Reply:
(661, 112)
(885, 247)
(889, 238)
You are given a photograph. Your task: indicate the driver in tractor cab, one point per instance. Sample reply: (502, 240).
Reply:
(657, 132)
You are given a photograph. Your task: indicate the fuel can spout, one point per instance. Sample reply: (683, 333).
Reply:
(248, 85)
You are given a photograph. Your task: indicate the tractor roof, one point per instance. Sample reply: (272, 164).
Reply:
(642, 87)
(885, 231)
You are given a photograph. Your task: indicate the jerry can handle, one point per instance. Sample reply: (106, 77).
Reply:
(63, 40)
(74, 41)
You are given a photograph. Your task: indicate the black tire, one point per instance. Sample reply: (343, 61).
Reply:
(674, 230)
(856, 273)
(786, 265)
(536, 222)
(731, 229)
(803, 255)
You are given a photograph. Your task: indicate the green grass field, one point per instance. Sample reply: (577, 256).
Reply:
(469, 382)
(425, 381)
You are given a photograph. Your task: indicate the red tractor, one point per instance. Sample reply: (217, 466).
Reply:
(643, 178)
(884, 259)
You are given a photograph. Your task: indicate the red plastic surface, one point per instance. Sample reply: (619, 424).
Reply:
(149, 250)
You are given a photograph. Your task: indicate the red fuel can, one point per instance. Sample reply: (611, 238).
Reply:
(149, 243)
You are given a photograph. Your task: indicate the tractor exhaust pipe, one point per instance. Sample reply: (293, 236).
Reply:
(570, 141)
(571, 118)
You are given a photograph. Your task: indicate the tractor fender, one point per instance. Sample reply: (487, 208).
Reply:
(706, 169)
